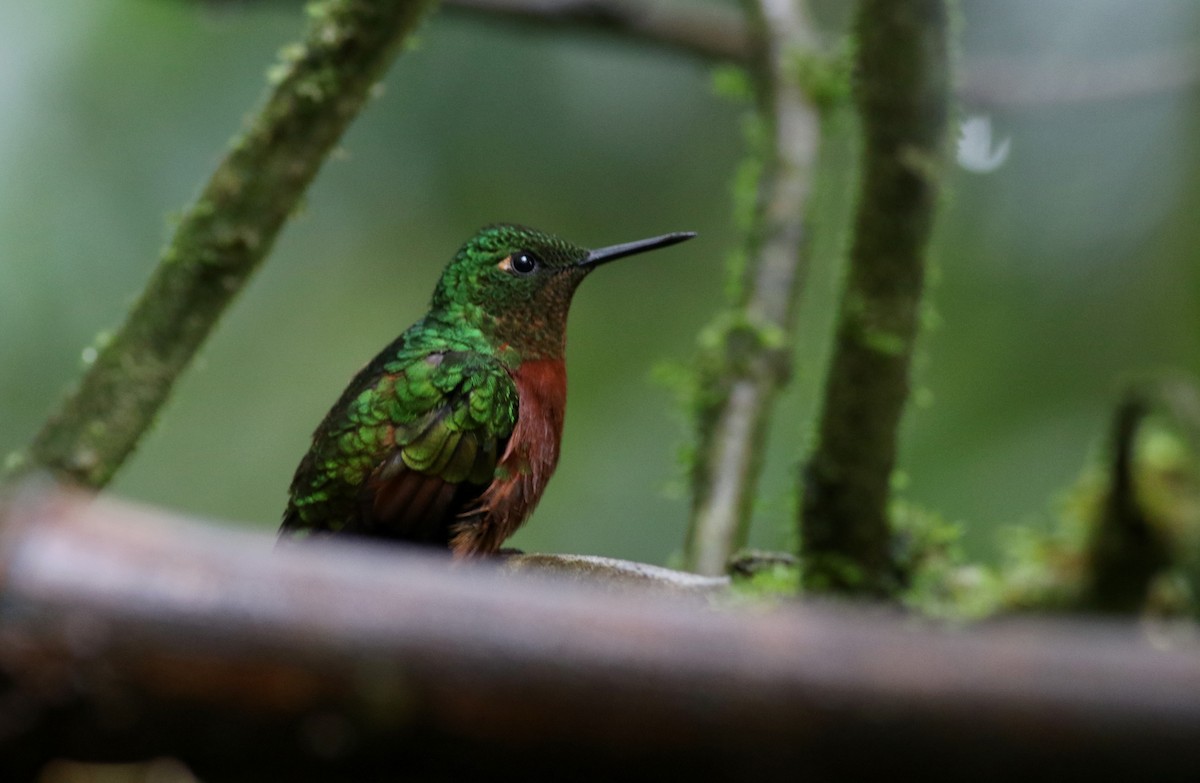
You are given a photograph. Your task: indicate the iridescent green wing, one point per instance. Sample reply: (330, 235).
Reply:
(412, 441)
(446, 456)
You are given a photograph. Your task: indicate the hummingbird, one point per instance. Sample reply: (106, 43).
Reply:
(449, 436)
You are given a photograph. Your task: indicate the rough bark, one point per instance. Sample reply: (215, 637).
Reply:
(903, 94)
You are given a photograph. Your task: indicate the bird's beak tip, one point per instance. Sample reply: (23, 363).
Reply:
(612, 253)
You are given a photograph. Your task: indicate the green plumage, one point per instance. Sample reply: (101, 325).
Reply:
(432, 403)
(450, 434)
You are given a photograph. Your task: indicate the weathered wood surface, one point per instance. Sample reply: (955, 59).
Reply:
(126, 634)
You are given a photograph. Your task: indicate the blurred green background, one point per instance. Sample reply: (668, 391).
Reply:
(1057, 277)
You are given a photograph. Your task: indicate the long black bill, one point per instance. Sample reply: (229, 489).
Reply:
(612, 253)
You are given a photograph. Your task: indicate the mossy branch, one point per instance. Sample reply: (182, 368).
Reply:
(1125, 551)
(1145, 528)
(223, 236)
(903, 94)
(745, 361)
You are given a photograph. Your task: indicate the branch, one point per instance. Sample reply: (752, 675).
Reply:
(1011, 81)
(1125, 552)
(706, 32)
(903, 95)
(223, 236)
(1146, 525)
(128, 635)
(616, 576)
(748, 361)
(716, 33)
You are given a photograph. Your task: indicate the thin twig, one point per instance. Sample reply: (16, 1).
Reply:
(1009, 81)
(127, 635)
(903, 96)
(748, 362)
(717, 33)
(223, 236)
(704, 31)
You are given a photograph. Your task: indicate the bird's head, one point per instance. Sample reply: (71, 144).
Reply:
(515, 284)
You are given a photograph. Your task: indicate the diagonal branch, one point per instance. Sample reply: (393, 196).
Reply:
(706, 32)
(903, 94)
(224, 236)
(748, 361)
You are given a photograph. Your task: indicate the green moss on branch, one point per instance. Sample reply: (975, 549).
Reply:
(222, 238)
(745, 358)
(1125, 551)
(903, 94)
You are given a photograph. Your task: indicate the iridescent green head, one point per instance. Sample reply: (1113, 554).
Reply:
(515, 284)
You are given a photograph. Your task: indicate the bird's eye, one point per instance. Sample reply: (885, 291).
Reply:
(524, 262)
